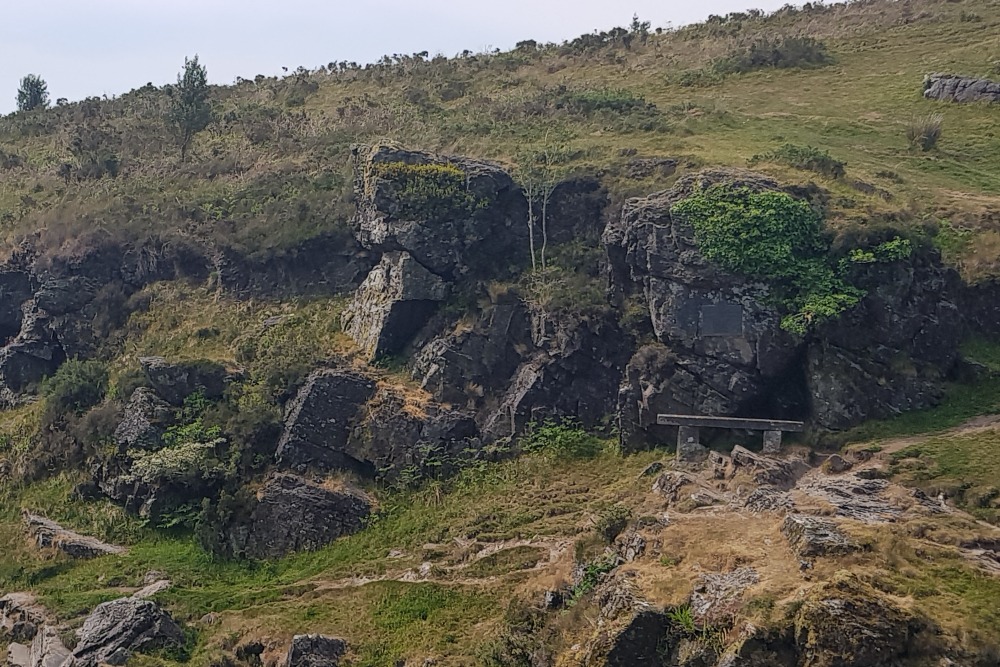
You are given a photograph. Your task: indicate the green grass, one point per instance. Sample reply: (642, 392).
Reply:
(966, 467)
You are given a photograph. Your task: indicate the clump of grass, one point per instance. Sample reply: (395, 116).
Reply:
(562, 439)
(807, 158)
(923, 132)
(612, 521)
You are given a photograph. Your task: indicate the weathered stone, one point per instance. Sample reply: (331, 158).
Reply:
(315, 651)
(30, 356)
(48, 650)
(854, 497)
(292, 514)
(766, 471)
(772, 442)
(175, 381)
(670, 483)
(144, 420)
(815, 536)
(689, 447)
(50, 535)
(15, 289)
(836, 464)
(116, 629)
(631, 546)
(318, 421)
(392, 304)
(449, 242)
(955, 88)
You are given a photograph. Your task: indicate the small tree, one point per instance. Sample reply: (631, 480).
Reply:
(33, 93)
(190, 111)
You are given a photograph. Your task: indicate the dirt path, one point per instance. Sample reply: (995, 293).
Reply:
(973, 426)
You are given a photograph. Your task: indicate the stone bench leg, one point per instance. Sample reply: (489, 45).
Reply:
(689, 447)
(772, 442)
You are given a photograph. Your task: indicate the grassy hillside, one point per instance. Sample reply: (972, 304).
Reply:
(444, 569)
(274, 167)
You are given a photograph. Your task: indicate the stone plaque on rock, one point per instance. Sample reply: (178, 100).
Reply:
(722, 319)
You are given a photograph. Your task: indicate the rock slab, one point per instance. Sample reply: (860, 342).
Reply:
(315, 651)
(50, 535)
(117, 629)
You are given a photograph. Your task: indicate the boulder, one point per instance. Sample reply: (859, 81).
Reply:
(487, 236)
(144, 421)
(117, 629)
(845, 623)
(315, 651)
(50, 535)
(815, 536)
(292, 514)
(717, 595)
(955, 88)
(392, 304)
(318, 421)
(175, 381)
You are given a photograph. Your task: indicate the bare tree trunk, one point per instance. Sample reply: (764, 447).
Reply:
(529, 191)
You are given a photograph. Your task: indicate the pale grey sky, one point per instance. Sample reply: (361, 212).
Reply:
(97, 47)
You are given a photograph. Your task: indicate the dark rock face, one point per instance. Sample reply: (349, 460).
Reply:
(15, 289)
(175, 381)
(721, 348)
(50, 535)
(315, 651)
(815, 536)
(319, 420)
(890, 353)
(115, 630)
(724, 346)
(144, 420)
(292, 514)
(392, 304)
(465, 367)
(845, 623)
(478, 242)
(576, 210)
(430, 440)
(30, 356)
(955, 88)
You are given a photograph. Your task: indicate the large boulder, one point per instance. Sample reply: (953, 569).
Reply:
(117, 629)
(315, 651)
(401, 207)
(318, 421)
(392, 304)
(175, 381)
(290, 514)
(955, 88)
(144, 421)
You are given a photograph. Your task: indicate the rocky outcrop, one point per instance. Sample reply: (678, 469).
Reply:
(315, 651)
(392, 304)
(955, 88)
(48, 650)
(30, 356)
(144, 421)
(487, 236)
(844, 623)
(115, 630)
(50, 535)
(319, 420)
(721, 348)
(292, 514)
(815, 536)
(175, 381)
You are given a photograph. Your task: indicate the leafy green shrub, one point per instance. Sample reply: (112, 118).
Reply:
(683, 617)
(618, 100)
(429, 191)
(773, 237)
(191, 428)
(923, 132)
(806, 158)
(561, 439)
(612, 521)
(777, 52)
(76, 386)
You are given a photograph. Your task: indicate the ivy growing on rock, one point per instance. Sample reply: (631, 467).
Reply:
(429, 191)
(772, 237)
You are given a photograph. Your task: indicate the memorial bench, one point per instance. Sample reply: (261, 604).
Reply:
(689, 425)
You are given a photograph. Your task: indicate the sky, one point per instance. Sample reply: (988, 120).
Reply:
(88, 48)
